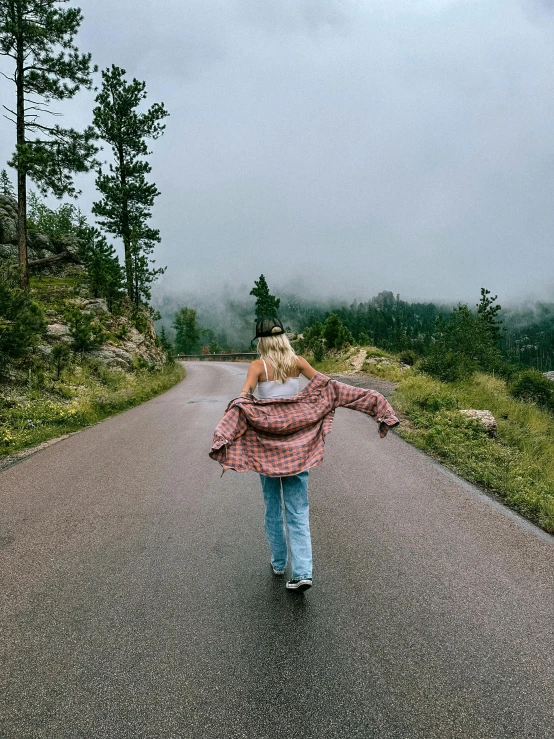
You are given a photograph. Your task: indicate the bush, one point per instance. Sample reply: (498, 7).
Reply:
(21, 319)
(86, 331)
(408, 357)
(533, 387)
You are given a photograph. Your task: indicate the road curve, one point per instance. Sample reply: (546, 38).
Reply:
(137, 599)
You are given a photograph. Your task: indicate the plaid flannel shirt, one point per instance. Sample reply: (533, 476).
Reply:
(278, 437)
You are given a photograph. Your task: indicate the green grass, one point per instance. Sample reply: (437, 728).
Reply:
(53, 293)
(517, 465)
(338, 364)
(84, 395)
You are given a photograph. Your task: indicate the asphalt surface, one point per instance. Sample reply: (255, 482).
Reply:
(137, 598)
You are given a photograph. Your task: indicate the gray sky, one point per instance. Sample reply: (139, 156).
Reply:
(353, 145)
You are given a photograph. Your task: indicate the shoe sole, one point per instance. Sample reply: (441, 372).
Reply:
(300, 587)
(278, 572)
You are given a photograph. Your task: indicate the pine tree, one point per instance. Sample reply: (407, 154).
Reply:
(267, 305)
(105, 274)
(38, 35)
(21, 319)
(6, 187)
(187, 331)
(127, 197)
(165, 342)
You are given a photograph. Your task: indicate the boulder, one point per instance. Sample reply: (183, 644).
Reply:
(112, 356)
(57, 330)
(8, 220)
(549, 375)
(97, 306)
(485, 418)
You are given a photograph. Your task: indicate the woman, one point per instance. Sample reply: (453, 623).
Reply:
(281, 435)
(286, 498)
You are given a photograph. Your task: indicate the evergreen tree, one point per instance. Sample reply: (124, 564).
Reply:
(165, 342)
(488, 312)
(21, 319)
(6, 187)
(335, 333)
(60, 357)
(85, 330)
(187, 331)
(267, 305)
(38, 36)
(57, 224)
(127, 196)
(105, 274)
(143, 273)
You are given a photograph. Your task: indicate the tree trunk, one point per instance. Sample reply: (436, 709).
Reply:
(47, 260)
(125, 227)
(21, 172)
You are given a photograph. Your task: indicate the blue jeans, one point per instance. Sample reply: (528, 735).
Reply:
(292, 493)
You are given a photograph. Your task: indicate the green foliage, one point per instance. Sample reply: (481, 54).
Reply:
(518, 465)
(60, 357)
(165, 342)
(6, 187)
(215, 348)
(90, 395)
(532, 386)
(267, 305)
(313, 341)
(42, 33)
(127, 197)
(85, 329)
(335, 333)
(21, 318)
(57, 224)
(105, 274)
(408, 357)
(187, 331)
(466, 343)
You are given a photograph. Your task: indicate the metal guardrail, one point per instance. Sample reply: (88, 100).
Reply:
(235, 357)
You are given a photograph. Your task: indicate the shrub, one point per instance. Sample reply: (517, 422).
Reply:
(86, 331)
(408, 357)
(21, 319)
(534, 387)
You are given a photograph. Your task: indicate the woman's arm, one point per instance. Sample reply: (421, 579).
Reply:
(305, 368)
(251, 378)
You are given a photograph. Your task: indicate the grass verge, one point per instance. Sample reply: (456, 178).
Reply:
(517, 466)
(84, 396)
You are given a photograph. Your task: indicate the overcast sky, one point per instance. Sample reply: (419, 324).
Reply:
(358, 145)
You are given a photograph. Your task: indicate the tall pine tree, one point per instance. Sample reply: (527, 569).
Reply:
(38, 36)
(127, 196)
(6, 187)
(267, 305)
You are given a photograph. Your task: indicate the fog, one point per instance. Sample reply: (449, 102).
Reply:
(344, 147)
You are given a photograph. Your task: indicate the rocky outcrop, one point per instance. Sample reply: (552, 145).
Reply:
(49, 256)
(484, 418)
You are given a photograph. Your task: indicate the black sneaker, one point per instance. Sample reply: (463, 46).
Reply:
(303, 584)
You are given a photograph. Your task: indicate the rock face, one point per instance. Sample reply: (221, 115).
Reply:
(39, 246)
(485, 418)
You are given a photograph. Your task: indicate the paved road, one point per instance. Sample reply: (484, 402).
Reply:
(137, 598)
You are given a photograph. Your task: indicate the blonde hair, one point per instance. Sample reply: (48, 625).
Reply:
(279, 352)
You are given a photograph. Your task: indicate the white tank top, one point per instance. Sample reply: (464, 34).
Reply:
(274, 389)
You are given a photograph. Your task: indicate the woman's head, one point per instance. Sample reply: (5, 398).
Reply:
(280, 353)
